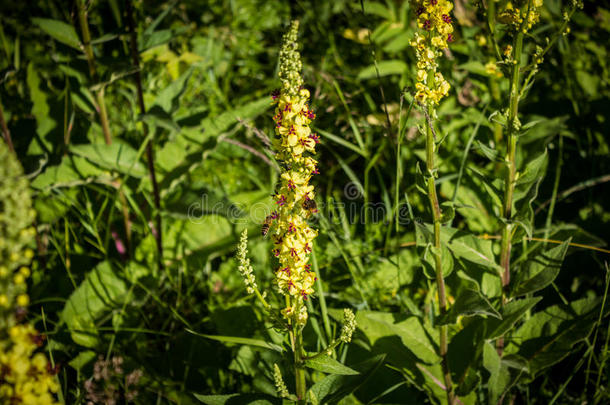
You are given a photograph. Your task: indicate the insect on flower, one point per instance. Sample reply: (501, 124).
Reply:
(310, 205)
(267, 224)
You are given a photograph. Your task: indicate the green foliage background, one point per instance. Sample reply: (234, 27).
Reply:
(207, 70)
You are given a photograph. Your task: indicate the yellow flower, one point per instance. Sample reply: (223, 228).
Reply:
(292, 236)
(433, 17)
(23, 300)
(492, 69)
(26, 378)
(18, 279)
(24, 271)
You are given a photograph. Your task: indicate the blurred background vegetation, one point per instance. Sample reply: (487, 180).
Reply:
(111, 307)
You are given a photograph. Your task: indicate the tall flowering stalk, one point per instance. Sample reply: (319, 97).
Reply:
(521, 19)
(294, 204)
(292, 236)
(25, 376)
(436, 31)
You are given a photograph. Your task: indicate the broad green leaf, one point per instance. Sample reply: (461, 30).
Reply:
(59, 30)
(238, 399)
(71, 171)
(469, 247)
(159, 118)
(386, 31)
(447, 212)
(156, 38)
(540, 271)
(374, 8)
(420, 180)
(541, 127)
(427, 252)
(549, 335)
(466, 347)
(329, 365)
(511, 313)
(167, 99)
(475, 67)
(214, 126)
(491, 187)
(117, 156)
(397, 44)
(53, 205)
(532, 174)
(83, 358)
(378, 326)
(41, 110)
(499, 379)
(488, 152)
(386, 68)
(240, 340)
(101, 291)
(468, 303)
(150, 29)
(334, 387)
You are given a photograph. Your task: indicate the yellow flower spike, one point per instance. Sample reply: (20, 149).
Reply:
(293, 237)
(24, 375)
(434, 19)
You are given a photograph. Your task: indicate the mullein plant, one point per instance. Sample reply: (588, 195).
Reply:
(287, 225)
(435, 32)
(25, 374)
(519, 17)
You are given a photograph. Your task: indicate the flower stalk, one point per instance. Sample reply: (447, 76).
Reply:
(150, 152)
(522, 23)
(26, 376)
(6, 134)
(294, 198)
(434, 20)
(88, 50)
(438, 260)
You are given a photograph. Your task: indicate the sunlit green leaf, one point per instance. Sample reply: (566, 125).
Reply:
(59, 30)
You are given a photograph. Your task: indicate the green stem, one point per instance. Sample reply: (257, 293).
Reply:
(150, 152)
(5, 132)
(88, 49)
(440, 280)
(322, 299)
(104, 116)
(84, 27)
(299, 371)
(511, 169)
